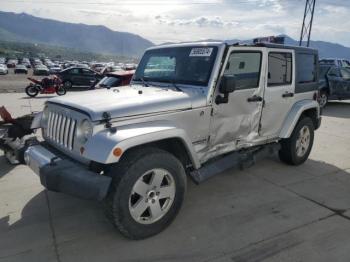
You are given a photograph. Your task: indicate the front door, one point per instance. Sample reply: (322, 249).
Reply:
(279, 91)
(339, 82)
(236, 124)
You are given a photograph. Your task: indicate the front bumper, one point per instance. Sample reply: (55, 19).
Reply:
(62, 175)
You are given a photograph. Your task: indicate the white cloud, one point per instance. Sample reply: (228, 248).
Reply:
(186, 20)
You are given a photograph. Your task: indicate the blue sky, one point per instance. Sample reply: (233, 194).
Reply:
(180, 20)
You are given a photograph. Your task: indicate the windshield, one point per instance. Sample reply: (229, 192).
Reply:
(109, 81)
(183, 65)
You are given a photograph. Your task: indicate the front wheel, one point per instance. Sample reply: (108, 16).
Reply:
(67, 84)
(323, 100)
(32, 91)
(296, 149)
(61, 91)
(147, 193)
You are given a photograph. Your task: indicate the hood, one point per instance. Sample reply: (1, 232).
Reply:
(126, 101)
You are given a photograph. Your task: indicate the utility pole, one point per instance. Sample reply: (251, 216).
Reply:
(307, 22)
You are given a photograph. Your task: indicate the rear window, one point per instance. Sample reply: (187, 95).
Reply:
(307, 68)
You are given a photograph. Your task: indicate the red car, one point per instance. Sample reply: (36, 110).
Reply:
(115, 79)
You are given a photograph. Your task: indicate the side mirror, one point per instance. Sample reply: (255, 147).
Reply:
(227, 86)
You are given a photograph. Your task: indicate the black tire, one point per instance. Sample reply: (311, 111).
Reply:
(67, 84)
(125, 174)
(32, 91)
(323, 98)
(288, 152)
(61, 91)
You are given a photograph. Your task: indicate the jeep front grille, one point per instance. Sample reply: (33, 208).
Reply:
(61, 129)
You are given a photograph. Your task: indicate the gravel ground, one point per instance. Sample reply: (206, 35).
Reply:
(15, 83)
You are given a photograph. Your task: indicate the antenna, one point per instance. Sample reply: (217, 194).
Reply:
(307, 22)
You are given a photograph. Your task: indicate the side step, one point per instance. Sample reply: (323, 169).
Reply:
(242, 159)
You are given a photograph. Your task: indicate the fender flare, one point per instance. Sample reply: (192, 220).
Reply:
(100, 147)
(294, 115)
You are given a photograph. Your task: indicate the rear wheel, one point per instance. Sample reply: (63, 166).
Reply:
(147, 193)
(296, 149)
(32, 91)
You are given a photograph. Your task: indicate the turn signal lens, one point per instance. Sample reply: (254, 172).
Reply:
(117, 152)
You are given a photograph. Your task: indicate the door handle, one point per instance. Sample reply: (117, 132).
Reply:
(255, 99)
(288, 94)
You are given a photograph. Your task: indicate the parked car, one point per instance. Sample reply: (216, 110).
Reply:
(3, 69)
(21, 69)
(55, 68)
(335, 62)
(77, 76)
(203, 108)
(41, 70)
(11, 63)
(115, 79)
(334, 83)
(109, 69)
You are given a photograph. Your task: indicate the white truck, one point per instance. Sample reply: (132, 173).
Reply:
(192, 109)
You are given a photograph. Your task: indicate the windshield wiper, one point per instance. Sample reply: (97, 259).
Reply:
(142, 80)
(171, 81)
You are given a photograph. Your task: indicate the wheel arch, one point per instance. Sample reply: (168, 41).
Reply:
(160, 135)
(309, 108)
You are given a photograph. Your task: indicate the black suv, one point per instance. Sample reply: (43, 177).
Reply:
(77, 76)
(334, 83)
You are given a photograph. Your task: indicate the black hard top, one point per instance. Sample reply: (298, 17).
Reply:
(300, 49)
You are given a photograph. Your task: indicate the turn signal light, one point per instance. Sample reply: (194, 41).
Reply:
(117, 152)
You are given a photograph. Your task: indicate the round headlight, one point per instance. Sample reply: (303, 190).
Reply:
(45, 117)
(85, 130)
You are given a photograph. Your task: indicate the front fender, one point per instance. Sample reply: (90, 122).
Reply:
(100, 147)
(294, 116)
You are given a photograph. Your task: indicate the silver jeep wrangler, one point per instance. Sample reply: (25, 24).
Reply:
(192, 109)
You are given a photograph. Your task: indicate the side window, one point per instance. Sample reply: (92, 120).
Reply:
(307, 68)
(245, 66)
(74, 71)
(345, 73)
(280, 69)
(86, 71)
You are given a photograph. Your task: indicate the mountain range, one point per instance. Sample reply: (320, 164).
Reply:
(100, 39)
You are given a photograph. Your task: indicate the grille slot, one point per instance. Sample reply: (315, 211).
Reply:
(61, 129)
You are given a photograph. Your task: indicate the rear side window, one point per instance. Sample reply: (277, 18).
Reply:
(307, 68)
(245, 66)
(280, 69)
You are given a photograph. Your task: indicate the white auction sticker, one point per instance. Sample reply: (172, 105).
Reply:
(202, 51)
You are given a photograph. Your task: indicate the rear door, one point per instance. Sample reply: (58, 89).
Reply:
(279, 91)
(88, 77)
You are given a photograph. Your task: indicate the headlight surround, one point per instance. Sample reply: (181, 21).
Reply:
(44, 117)
(85, 130)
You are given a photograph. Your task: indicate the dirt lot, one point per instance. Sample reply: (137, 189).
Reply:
(270, 212)
(12, 82)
